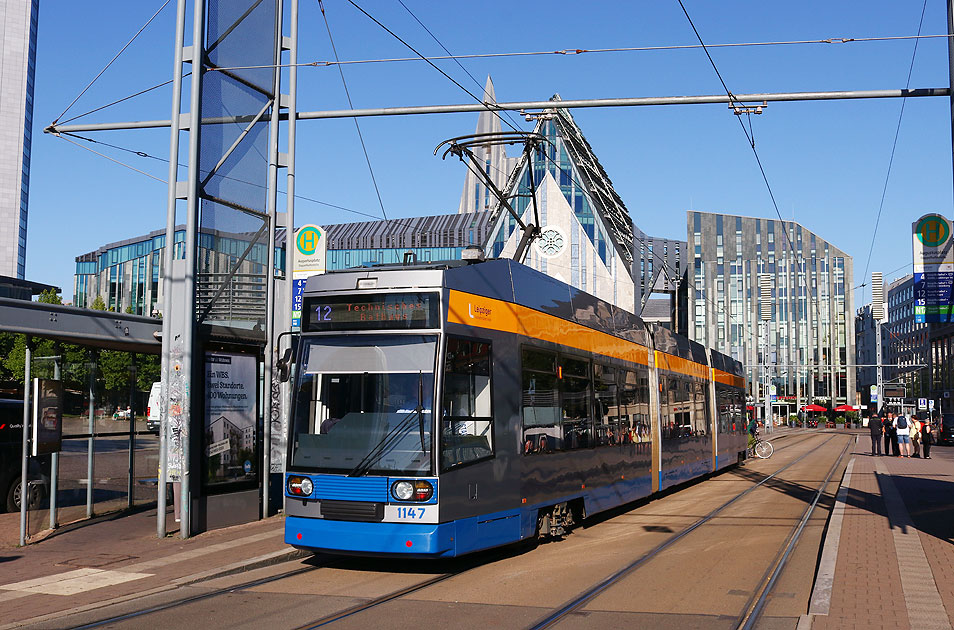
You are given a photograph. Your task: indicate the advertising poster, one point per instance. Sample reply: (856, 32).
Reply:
(47, 416)
(230, 445)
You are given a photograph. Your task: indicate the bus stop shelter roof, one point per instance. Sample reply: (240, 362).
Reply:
(98, 329)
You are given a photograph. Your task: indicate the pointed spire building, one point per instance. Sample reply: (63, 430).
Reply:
(476, 196)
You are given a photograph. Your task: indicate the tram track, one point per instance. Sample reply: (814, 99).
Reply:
(755, 606)
(569, 608)
(200, 597)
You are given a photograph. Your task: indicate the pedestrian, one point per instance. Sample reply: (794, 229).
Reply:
(914, 427)
(886, 431)
(877, 430)
(926, 438)
(904, 434)
(893, 430)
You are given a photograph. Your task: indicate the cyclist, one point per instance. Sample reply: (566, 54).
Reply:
(753, 429)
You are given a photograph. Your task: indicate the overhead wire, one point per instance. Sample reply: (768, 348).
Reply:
(123, 164)
(894, 146)
(111, 61)
(118, 101)
(566, 52)
(415, 51)
(511, 122)
(664, 262)
(357, 127)
(795, 255)
(143, 154)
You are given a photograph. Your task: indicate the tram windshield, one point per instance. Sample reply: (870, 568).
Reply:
(363, 404)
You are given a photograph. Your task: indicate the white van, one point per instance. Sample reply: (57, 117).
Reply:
(153, 411)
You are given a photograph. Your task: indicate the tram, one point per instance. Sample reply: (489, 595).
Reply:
(447, 408)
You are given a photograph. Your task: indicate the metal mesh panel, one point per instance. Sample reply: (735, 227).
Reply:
(233, 161)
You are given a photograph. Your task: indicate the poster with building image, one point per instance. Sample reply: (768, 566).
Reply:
(47, 416)
(230, 447)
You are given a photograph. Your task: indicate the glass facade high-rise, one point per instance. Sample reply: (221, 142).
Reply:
(811, 339)
(19, 19)
(905, 342)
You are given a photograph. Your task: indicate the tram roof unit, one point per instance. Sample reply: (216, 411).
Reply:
(509, 281)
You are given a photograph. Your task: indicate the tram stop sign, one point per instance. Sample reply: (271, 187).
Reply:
(310, 253)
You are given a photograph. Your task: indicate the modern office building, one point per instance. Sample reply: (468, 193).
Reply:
(17, 65)
(810, 343)
(941, 343)
(904, 342)
(127, 274)
(439, 237)
(866, 353)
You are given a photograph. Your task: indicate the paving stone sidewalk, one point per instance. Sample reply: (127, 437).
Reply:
(892, 554)
(119, 558)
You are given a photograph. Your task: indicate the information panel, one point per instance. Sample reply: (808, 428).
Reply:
(933, 248)
(382, 311)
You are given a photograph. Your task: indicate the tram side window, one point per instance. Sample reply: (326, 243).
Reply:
(680, 408)
(700, 409)
(576, 392)
(634, 406)
(467, 417)
(540, 402)
(731, 410)
(724, 410)
(607, 405)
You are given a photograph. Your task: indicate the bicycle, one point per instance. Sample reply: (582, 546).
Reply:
(761, 448)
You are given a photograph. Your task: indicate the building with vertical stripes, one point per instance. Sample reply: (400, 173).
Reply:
(811, 337)
(17, 67)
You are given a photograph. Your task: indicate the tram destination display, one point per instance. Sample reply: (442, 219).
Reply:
(382, 311)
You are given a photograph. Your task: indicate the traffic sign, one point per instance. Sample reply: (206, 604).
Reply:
(922, 403)
(931, 404)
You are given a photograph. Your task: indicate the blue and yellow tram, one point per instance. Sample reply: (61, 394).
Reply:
(444, 409)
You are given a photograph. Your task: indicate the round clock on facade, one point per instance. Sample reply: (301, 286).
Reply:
(551, 242)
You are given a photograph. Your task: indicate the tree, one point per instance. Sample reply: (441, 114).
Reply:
(98, 304)
(50, 296)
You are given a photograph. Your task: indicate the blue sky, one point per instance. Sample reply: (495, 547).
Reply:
(826, 161)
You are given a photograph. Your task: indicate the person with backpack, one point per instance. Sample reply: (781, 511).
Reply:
(876, 429)
(904, 435)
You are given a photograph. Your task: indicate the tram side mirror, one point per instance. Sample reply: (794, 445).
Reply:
(284, 366)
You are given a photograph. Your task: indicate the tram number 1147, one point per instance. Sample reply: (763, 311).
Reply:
(410, 513)
(407, 513)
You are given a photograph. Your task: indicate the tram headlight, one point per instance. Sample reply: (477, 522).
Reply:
(418, 490)
(300, 486)
(402, 490)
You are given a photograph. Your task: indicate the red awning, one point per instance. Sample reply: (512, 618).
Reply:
(813, 408)
(845, 408)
